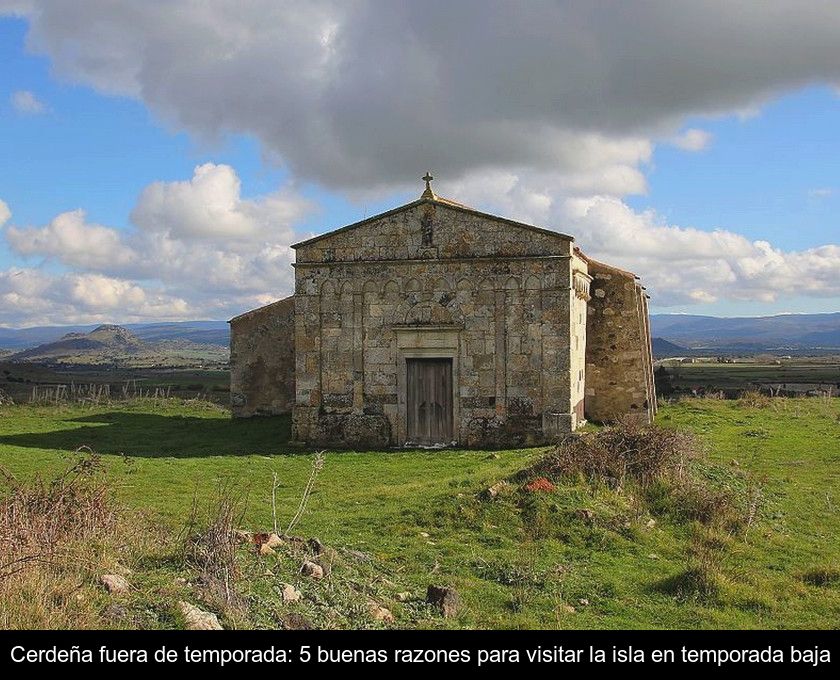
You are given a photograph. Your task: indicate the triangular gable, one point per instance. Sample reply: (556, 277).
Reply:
(431, 228)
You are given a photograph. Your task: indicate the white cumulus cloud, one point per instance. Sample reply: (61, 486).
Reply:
(197, 249)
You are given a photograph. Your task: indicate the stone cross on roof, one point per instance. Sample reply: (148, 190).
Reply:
(427, 178)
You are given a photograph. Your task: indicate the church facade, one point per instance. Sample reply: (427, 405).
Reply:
(434, 324)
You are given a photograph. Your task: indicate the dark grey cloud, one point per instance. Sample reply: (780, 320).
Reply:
(359, 93)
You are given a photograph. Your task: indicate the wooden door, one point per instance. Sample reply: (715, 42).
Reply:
(429, 402)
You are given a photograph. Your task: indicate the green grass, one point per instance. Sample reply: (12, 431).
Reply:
(521, 560)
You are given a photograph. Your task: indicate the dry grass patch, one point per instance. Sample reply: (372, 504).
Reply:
(53, 536)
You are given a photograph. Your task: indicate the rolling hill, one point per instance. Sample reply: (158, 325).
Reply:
(109, 344)
(202, 332)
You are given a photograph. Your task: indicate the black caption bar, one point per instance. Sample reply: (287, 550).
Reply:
(801, 650)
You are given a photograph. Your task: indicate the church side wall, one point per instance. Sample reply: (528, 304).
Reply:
(262, 360)
(618, 355)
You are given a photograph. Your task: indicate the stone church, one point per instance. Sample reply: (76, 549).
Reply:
(434, 324)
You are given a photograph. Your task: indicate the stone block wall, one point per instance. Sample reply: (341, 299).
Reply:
(262, 360)
(502, 315)
(619, 365)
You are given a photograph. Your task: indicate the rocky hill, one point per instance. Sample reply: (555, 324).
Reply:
(201, 332)
(117, 345)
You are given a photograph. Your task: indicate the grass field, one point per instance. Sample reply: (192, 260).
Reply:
(517, 561)
(734, 378)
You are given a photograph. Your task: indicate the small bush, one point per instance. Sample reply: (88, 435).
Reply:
(628, 449)
(698, 582)
(693, 500)
(754, 399)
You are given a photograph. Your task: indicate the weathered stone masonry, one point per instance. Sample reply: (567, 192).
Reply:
(502, 304)
(619, 363)
(262, 360)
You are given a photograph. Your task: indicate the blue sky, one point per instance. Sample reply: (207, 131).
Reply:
(97, 152)
(769, 174)
(772, 175)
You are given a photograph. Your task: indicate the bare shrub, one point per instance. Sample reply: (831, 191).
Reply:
(210, 548)
(696, 501)
(38, 518)
(53, 538)
(317, 466)
(626, 450)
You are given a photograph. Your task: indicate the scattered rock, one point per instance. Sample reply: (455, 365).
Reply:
(445, 599)
(403, 597)
(494, 490)
(311, 569)
(316, 546)
(290, 593)
(115, 584)
(653, 556)
(734, 463)
(424, 534)
(274, 541)
(583, 602)
(650, 523)
(380, 613)
(265, 549)
(492, 456)
(198, 619)
(180, 581)
(569, 609)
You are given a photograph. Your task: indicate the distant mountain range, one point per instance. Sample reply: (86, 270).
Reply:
(673, 334)
(201, 332)
(117, 346)
(794, 332)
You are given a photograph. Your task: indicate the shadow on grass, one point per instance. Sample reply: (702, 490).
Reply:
(150, 435)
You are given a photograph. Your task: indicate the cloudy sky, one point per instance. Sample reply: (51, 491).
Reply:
(158, 159)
